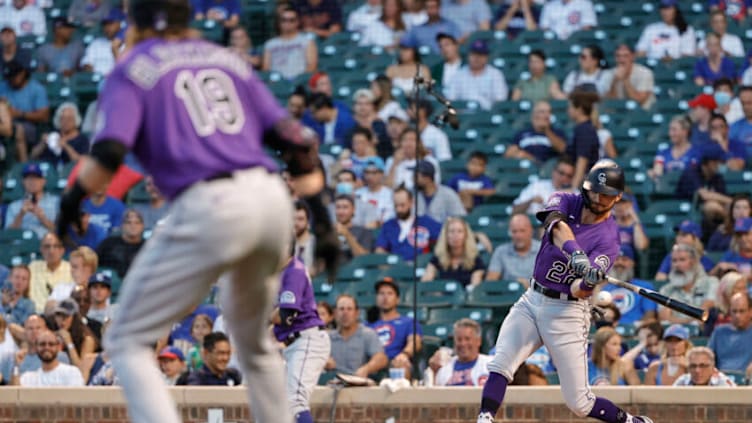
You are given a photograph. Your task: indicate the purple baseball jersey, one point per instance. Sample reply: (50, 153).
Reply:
(599, 241)
(189, 110)
(296, 293)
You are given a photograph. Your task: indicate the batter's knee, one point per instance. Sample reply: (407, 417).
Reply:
(497, 367)
(580, 402)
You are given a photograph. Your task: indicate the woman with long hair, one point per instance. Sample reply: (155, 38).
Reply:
(77, 339)
(673, 362)
(715, 64)
(606, 366)
(456, 255)
(671, 38)
(741, 207)
(540, 85)
(386, 105)
(387, 29)
(592, 75)
(402, 73)
(677, 156)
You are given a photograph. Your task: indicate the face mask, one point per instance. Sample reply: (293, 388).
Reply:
(722, 98)
(722, 168)
(344, 188)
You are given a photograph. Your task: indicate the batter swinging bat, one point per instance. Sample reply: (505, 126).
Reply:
(684, 308)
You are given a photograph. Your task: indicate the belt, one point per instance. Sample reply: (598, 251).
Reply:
(295, 335)
(551, 293)
(218, 176)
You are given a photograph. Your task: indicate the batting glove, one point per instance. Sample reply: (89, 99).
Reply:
(593, 276)
(579, 262)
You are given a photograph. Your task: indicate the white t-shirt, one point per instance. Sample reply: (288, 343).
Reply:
(27, 21)
(361, 17)
(544, 188)
(61, 291)
(730, 43)
(62, 375)
(565, 17)
(601, 79)
(390, 109)
(478, 374)
(450, 70)
(659, 40)
(99, 56)
(412, 19)
(377, 33)
(437, 142)
(486, 88)
(381, 199)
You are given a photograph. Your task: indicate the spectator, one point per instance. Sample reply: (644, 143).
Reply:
(326, 314)
(456, 256)
(87, 234)
(669, 39)
(37, 210)
(741, 130)
(540, 141)
(706, 182)
(478, 81)
(395, 331)
(401, 165)
(297, 102)
(425, 34)
(473, 185)
(320, 17)
(180, 335)
(386, 106)
(515, 16)
(100, 292)
(680, 155)
(200, 327)
(367, 209)
(356, 348)
(468, 15)
(673, 362)
(468, 366)
(631, 81)
(172, 365)
(28, 103)
(731, 283)
(63, 54)
(398, 236)
(688, 233)
(402, 73)
(732, 342)
(83, 263)
(88, 13)
(414, 14)
(583, 148)
(376, 194)
(631, 231)
(445, 71)
(16, 305)
(515, 260)
(354, 240)
(51, 372)
(687, 283)
(240, 42)
(606, 147)
(739, 255)
(78, 340)
(99, 56)
(432, 137)
(224, 12)
(395, 126)
(565, 17)
(26, 359)
(8, 347)
(438, 201)
(606, 366)
(291, 53)
(715, 64)
(632, 307)
(11, 50)
(48, 272)
(305, 241)
(105, 211)
(118, 251)
(65, 146)
(741, 207)
(539, 85)
(702, 371)
(736, 153)
(157, 208)
(388, 27)
(365, 116)
(359, 19)
(26, 18)
(592, 75)
(734, 9)
(731, 44)
(533, 197)
(726, 101)
(332, 124)
(82, 299)
(648, 347)
(215, 371)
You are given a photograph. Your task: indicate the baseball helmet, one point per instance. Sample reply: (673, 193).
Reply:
(605, 177)
(160, 14)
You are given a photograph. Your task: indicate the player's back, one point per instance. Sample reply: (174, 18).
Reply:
(197, 109)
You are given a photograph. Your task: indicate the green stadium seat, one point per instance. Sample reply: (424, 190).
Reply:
(401, 272)
(362, 291)
(438, 334)
(738, 182)
(665, 186)
(354, 273)
(321, 288)
(370, 261)
(437, 293)
(138, 194)
(85, 86)
(495, 294)
(451, 315)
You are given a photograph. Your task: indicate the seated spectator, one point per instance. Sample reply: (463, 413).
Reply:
(28, 103)
(157, 207)
(438, 201)
(541, 140)
(630, 80)
(592, 75)
(688, 233)
(739, 255)
(359, 19)
(100, 291)
(468, 366)
(224, 12)
(702, 371)
(431, 136)
(583, 149)
(533, 197)
(86, 233)
(48, 272)
(515, 260)
(398, 236)
(99, 56)
(305, 241)
(741, 207)
(394, 330)
(297, 102)
(26, 359)
(731, 44)
(732, 342)
(632, 307)
(200, 327)
(8, 346)
(88, 13)
(386, 106)
(715, 64)
(468, 15)
(105, 211)
(673, 362)
(78, 339)
(565, 17)
(688, 283)
(539, 85)
(671, 38)
(451, 63)
(515, 16)
(172, 365)
(16, 304)
(386, 29)
(425, 34)
(680, 155)
(240, 42)
(354, 240)
(402, 73)
(180, 335)
(631, 231)
(25, 18)
(473, 185)
(478, 81)
(356, 348)
(706, 182)
(215, 371)
(649, 346)
(736, 153)
(65, 145)
(326, 313)
(83, 264)
(10, 48)
(365, 116)
(51, 372)
(726, 101)
(375, 194)
(741, 130)
(332, 124)
(414, 14)
(731, 283)
(320, 17)
(456, 256)
(64, 52)
(400, 166)
(606, 366)
(734, 9)
(291, 53)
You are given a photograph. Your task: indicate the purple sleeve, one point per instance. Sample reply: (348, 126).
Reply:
(268, 109)
(488, 183)
(558, 201)
(698, 69)
(119, 98)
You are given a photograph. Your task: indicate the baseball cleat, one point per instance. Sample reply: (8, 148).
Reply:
(486, 417)
(642, 419)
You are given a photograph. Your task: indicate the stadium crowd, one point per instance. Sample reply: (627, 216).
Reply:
(542, 90)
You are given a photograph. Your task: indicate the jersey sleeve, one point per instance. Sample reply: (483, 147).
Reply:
(120, 97)
(557, 202)
(293, 283)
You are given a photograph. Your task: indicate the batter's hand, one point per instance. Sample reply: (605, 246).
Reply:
(593, 276)
(70, 211)
(579, 262)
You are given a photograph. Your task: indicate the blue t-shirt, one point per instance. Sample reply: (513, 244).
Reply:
(676, 164)
(182, 329)
(109, 215)
(389, 238)
(732, 257)
(94, 235)
(665, 267)
(462, 374)
(425, 35)
(584, 143)
(732, 347)
(644, 359)
(537, 143)
(393, 334)
(225, 8)
(741, 130)
(463, 181)
(28, 99)
(598, 376)
(631, 306)
(703, 70)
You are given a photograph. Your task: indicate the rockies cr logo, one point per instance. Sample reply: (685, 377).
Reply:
(602, 178)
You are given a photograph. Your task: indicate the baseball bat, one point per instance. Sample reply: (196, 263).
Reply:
(684, 308)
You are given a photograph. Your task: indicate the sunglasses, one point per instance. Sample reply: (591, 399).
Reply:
(46, 344)
(699, 366)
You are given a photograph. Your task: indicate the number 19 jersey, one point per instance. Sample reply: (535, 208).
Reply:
(189, 110)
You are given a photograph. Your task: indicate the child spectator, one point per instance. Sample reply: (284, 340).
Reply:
(473, 185)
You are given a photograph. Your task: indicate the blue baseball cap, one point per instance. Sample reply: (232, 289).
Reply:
(426, 168)
(376, 163)
(172, 353)
(407, 42)
(676, 331)
(115, 15)
(626, 251)
(743, 224)
(689, 227)
(668, 3)
(100, 278)
(479, 47)
(32, 169)
(711, 150)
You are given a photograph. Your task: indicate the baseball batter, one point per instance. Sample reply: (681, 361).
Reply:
(298, 326)
(580, 244)
(195, 115)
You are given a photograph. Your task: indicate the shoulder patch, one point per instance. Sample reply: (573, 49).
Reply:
(287, 297)
(553, 201)
(603, 262)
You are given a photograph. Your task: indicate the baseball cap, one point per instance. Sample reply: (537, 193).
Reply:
(425, 168)
(7, 27)
(67, 307)
(314, 79)
(479, 47)
(30, 169)
(171, 353)
(668, 3)
(743, 224)
(374, 162)
(703, 100)
(711, 151)
(115, 15)
(689, 227)
(676, 331)
(13, 68)
(626, 251)
(100, 278)
(441, 35)
(63, 21)
(407, 42)
(387, 281)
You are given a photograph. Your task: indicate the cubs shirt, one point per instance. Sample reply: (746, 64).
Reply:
(394, 334)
